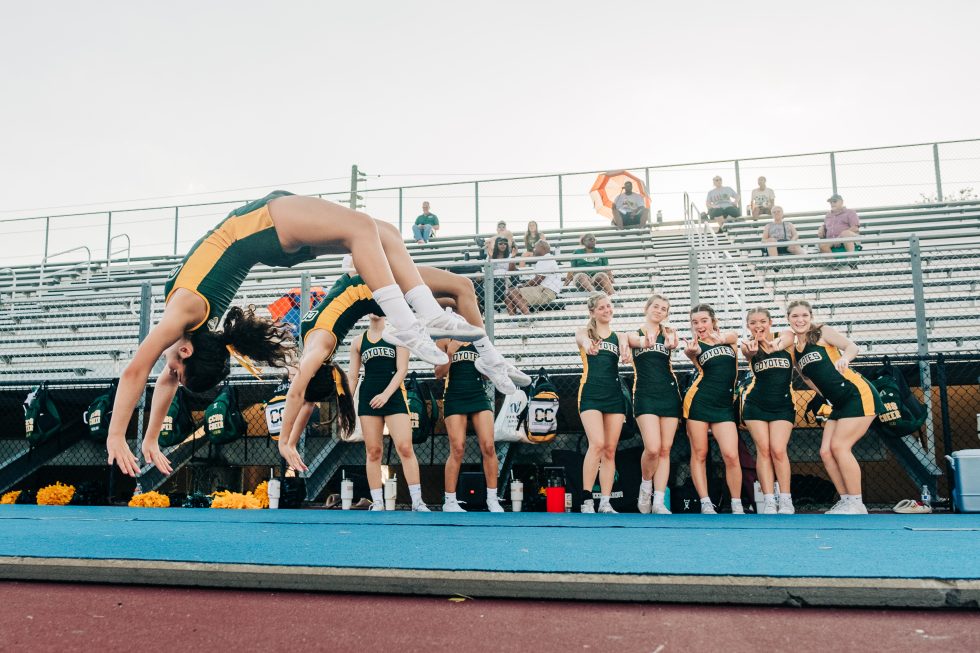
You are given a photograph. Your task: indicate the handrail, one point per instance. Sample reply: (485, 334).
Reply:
(44, 262)
(13, 287)
(128, 249)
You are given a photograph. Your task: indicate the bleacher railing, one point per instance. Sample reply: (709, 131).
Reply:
(900, 174)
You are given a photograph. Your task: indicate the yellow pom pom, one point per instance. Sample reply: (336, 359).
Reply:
(261, 493)
(150, 500)
(55, 495)
(10, 497)
(235, 501)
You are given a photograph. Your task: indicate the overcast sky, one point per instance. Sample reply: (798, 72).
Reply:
(106, 101)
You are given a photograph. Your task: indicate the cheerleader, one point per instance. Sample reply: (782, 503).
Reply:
(601, 404)
(767, 409)
(656, 402)
(823, 357)
(465, 397)
(710, 402)
(382, 401)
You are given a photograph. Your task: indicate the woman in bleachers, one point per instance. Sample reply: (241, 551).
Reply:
(601, 404)
(531, 236)
(281, 230)
(823, 357)
(501, 251)
(768, 410)
(710, 402)
(656, 402)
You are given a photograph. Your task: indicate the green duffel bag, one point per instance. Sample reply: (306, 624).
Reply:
(223, 420)
(178, 425)
(99, 414)
(41, 417)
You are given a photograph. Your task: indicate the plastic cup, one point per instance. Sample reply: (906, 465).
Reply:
(346, 494)
(516, 495)
(274, 490)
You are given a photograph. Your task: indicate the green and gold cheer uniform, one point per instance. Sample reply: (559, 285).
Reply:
(711, 398)
(849, 394)
(465, 392)
(218, 263)
(347, 301)
(768, 396)
(655, 390)
(600, 388)
(380, 363)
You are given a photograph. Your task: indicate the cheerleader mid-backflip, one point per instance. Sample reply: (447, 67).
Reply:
(656, 402)
(823, 356)
(710, 402)
(281, 230)
(768, 410)
(601, 404)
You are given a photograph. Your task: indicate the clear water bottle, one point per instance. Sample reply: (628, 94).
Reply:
(926, 497)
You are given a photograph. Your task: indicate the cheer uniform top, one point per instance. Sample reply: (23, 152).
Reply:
(849, 394)
(711, 398)
(347, 301)
(465, 392)
(655, 390)
(600, 388)
(768, 396)
(218, 263)
(379, 359)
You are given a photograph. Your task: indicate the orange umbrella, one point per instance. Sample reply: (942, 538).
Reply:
(609, 185)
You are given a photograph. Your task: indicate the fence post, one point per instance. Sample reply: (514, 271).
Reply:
(476, 201)
(738, 187)
(489, 301)
(922, 338)
(400, 198)
(692, 265)
(561, 205)
(939, 178)
(176, 222)
(146, 302)
(47, 230)
(304, 302)
(944, 413)
(833, 172)
(108, 239)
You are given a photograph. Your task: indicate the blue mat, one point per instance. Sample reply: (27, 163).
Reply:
(884, 546)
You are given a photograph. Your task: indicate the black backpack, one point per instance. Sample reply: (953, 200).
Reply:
(904, 413)
(274, 409)
(540, 417)
(419, 412)
(223, 420)
(99, 414)
(630, 427)
(178, 424)
(41, 417)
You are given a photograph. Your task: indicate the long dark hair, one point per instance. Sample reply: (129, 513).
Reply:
(496, 248)
(323, 387)
(258, 338)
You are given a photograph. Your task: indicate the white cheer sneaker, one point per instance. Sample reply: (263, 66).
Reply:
(452, 325)
(497, 375)
(417, 340)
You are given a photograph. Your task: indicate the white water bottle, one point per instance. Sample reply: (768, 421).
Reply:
(926, 495)
(391, 492)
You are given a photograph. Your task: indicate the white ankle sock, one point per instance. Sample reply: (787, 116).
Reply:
(769, 497)
(736, 502)
(785, 496)
(491, 494)
(603, 500)
(423, 303)
(856, 498)
(396, 309)
(705, 500)
(377, 495)
(486, 350)
(658, 497)
(646, 486)
(416, 493)
(450, 497)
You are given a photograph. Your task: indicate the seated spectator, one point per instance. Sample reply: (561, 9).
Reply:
(629, 209)
(490, 243)
(542, 289)
(840, 222)
(598, 276)
(780, 231)
(722, 202)
(763, 199)
(501, 250)
(531, 236)
(425, 225)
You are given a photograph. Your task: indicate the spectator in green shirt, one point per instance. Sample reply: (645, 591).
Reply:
(425, 225)
(591, 258)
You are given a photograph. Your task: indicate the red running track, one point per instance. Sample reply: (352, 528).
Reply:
(40, 617)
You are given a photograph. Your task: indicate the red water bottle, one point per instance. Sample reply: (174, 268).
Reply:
(555, 495)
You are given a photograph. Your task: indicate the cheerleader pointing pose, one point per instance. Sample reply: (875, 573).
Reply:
(656, 402)
(768, 410)
(280, 230)
(710, 402)
(823, 356)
